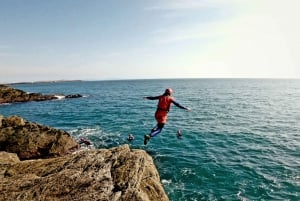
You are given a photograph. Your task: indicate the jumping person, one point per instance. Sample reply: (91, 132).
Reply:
(161, 114)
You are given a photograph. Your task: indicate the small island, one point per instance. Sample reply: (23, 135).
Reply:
(12, 95)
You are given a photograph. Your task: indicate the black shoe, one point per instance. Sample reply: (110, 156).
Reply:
(146, 139)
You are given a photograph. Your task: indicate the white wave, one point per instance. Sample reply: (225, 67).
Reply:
(241, 197)
(84, 148)
(97, 136)
(187, 171)
(87, 131)
(5, 104)
(59, 97)
(166, 182)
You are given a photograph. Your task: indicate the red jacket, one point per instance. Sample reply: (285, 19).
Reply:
(163, 107)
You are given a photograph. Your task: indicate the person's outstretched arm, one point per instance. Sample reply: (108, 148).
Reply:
(181, 106)
(151, 97)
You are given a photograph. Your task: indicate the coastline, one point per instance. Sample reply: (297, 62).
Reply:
(38, 162)
(40, 82)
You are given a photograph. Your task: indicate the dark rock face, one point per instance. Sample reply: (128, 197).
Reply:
(11, 95)
(74, 96)
(30, 140)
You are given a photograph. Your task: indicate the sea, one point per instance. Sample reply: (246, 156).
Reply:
(240, 141)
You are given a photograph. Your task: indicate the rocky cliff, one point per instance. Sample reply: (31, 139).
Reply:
(117, 174)
(30, 140)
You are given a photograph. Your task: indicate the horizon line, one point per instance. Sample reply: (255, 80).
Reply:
(128, 79)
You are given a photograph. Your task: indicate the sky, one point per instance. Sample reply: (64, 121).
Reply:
(44, 40)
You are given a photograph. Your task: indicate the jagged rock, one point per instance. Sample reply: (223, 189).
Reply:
(30, 140)
(11, 95)
(117, 174)
(1, 117)
(8, 158)
(13, 121)
(74, 96)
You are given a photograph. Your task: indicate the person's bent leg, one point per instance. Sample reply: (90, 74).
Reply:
(157, 129)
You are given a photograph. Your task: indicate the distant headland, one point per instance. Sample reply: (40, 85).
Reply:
(45, 81)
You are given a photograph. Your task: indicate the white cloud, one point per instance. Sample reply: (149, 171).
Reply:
(190, 19)
(176, 34)
(178, 5)
(260, 40)
(181, 5)
(263, 43)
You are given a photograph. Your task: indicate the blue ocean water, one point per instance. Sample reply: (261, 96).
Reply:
(241, 141)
